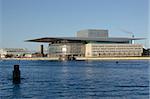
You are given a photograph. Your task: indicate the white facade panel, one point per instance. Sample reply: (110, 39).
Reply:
(100, 50)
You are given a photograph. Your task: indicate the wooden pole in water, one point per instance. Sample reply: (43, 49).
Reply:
(16, 75)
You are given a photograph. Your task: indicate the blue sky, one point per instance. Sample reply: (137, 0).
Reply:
(28, 19)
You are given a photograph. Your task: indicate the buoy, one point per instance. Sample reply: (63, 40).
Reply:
(16, 74)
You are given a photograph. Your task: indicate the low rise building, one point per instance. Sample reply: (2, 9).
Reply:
(12, 52)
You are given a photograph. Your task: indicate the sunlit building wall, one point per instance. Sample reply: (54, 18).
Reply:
(101, 50)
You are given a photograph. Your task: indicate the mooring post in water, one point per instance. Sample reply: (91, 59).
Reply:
(117, 62)
(16, 74)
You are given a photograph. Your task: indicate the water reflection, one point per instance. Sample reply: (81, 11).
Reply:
(16, 91)
(64, 70)
(89, 72)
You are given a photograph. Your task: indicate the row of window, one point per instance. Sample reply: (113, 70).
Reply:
(117, 45)
(116, 49)
(114, 53)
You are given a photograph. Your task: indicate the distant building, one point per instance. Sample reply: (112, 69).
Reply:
(91, 43)
(12, 52)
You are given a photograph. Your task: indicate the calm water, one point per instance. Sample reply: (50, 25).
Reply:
(76, 80)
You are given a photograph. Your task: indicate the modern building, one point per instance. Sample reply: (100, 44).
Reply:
(91, 43)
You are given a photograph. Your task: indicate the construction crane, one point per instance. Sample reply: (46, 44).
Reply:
(128, 32)
(131, 33)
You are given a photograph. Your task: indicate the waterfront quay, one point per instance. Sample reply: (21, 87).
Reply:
(81, 58)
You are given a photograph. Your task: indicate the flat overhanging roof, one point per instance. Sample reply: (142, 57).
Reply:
(109, 39)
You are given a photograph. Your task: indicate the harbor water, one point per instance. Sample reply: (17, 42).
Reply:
(111, 79)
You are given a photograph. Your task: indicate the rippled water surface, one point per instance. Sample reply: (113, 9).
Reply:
(76, 80)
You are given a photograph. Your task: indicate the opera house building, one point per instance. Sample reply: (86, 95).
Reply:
(91, 43)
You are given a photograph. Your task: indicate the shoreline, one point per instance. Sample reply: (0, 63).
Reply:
(81, 58)
(115, 58)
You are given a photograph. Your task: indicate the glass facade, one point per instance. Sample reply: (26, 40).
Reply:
(74, 49)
